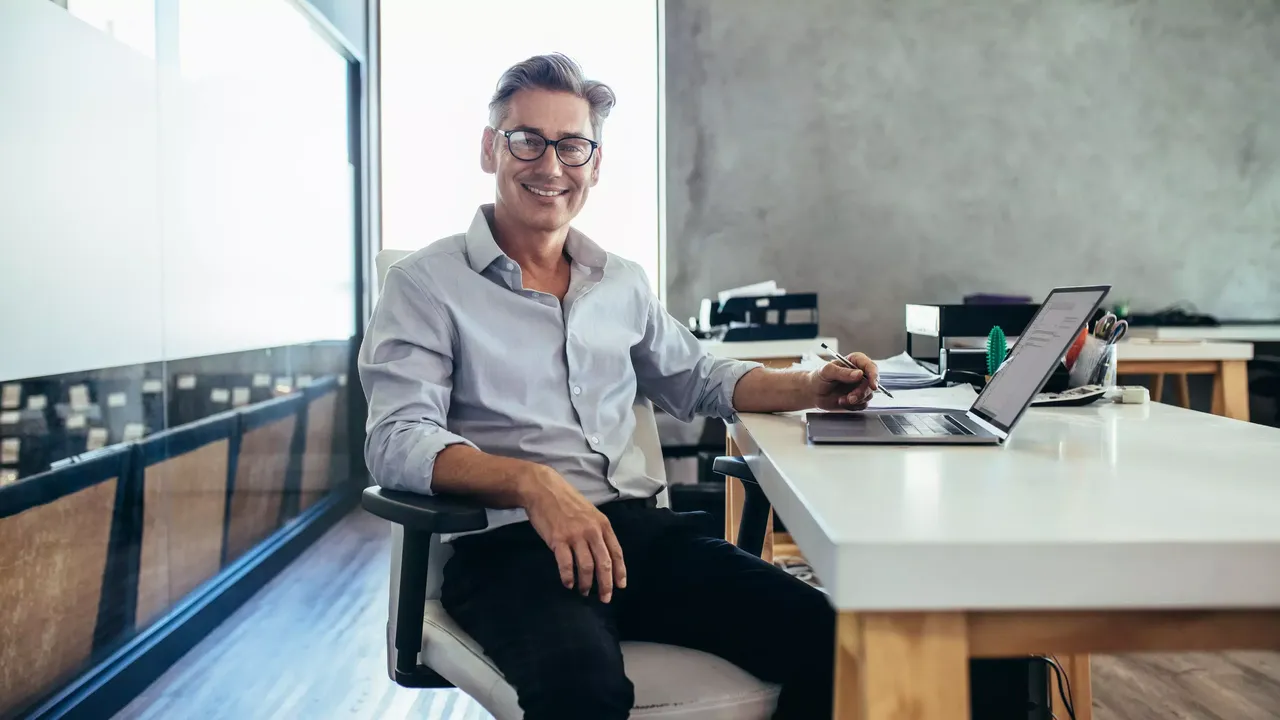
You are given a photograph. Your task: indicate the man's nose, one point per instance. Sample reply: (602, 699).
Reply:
(549, 163)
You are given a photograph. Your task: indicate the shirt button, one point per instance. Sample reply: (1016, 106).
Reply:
(595, 440)
(511, 266)
(577, 390)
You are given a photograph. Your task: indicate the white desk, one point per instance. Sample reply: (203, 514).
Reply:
(1143, 350)
(1226, 362)
(1107, 528)
(1240, 332)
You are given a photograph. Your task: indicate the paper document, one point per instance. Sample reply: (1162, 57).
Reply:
(899, 372)
(903, 372)
(956, 397)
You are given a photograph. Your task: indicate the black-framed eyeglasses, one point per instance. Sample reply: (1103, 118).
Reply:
(528, 145)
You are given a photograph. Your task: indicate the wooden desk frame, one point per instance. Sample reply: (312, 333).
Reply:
(1230, 381)
(916, 665)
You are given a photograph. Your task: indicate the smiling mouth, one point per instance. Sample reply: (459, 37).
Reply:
(544, 192)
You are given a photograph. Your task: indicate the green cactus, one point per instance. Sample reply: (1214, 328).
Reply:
(997, 349)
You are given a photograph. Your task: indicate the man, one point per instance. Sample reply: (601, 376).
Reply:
(503, 364)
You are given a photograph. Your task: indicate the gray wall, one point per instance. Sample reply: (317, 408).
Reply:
(882, 153)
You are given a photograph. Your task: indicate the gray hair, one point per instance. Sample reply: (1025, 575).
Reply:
(555, 72)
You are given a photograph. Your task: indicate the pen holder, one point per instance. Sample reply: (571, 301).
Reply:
(1095, 364)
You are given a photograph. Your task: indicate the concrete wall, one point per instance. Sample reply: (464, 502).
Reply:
(914, 151)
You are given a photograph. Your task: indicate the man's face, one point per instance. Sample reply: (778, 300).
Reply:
(543, 194)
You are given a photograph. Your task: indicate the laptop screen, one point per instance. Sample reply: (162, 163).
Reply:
(1034, 356)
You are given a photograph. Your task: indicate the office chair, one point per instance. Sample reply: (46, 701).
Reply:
(426, 649)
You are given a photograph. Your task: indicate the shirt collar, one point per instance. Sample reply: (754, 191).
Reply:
(482, 249)
(584, 251)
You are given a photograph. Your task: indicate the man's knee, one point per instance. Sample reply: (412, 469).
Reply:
(813, 615)
(578, 681)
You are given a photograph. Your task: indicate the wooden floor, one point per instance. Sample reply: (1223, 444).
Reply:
(311, 644)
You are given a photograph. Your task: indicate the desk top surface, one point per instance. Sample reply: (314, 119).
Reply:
(1106, 506)
(1242, 332)
(1146, 349)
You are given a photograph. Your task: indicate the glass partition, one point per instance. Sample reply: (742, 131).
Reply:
(178, 234)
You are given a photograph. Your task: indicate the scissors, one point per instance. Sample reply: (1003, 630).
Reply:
(1117, 331)
(1105, 325)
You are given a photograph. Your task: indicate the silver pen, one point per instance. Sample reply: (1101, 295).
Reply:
(841, 359)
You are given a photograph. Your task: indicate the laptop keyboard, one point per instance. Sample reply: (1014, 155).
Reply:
(922, 424)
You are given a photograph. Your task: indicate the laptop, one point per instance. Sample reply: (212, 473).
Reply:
(999, 406)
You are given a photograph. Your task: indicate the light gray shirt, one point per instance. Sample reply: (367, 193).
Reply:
(458, 351)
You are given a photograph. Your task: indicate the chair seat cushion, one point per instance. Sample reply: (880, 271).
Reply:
(672, 683)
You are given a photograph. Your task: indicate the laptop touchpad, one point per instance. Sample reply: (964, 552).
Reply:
(848, 424)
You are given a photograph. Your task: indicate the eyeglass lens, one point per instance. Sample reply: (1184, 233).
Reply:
(527, 145)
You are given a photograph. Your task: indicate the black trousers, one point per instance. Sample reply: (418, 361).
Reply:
(685, 586)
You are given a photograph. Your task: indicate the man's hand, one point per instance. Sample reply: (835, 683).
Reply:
(836, 387)
(578, 533)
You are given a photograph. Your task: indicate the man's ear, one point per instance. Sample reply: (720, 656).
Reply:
(488, 152)
(595, 166)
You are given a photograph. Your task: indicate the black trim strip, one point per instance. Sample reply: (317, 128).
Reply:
(118, 602)
(186, 438)
(323, 386)
(51, 485)
(233, 464)
(264, 413)
(289, 504)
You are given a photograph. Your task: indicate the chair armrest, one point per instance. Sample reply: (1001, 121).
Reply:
(422, 517)
(755, 505)
(429, 513)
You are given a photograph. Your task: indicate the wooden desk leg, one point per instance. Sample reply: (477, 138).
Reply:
(1080, 676)
(1157, 387)
(1184, 391)
(733, 495)
(1231, 390)
(892, 666)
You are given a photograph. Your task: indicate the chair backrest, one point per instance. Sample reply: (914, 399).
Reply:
(384, 260)
(645, 438)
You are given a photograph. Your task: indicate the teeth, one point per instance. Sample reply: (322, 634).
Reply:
(544, 193)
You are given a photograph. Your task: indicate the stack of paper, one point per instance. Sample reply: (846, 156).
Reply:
(901, 372)
(768, 287)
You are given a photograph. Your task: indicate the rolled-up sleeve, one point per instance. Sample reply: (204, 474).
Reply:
(678, 374)
(406, 370)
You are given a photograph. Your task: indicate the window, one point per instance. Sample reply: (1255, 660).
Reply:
(132, 22)
(439, 68)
